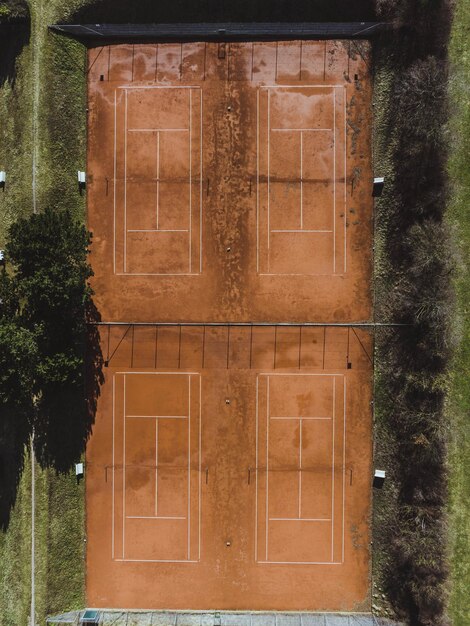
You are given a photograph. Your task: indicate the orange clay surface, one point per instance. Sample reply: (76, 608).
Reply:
(230, 181)
(230, 468)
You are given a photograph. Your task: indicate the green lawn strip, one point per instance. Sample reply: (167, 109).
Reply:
(62, 137)
(66, 544)
(60, 534)
(62, 115)
(385, 504)
(42, 552)
(459, 405)
(15, 558)
(15, 144)
(15, 201)
(60, 508)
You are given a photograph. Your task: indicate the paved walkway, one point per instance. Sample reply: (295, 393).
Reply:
(162, 618)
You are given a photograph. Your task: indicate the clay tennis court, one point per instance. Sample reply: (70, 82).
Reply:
(231, 179)
(229, 466)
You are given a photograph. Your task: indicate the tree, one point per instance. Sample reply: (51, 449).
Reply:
(49, 299)
(18, 360)
(13, 10)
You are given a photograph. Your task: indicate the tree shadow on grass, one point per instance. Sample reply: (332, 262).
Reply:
(184, 11)
(67, 414)
(13, 38)
(14, 437)
(67, 409)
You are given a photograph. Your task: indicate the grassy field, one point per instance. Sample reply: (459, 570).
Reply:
(59, 549)
(15, 559)
(459, 404)
(42, 108)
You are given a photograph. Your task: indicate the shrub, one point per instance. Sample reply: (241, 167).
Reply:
(415, 289)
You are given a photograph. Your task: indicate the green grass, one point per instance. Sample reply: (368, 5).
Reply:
(60, 68)
(15, 147)
(60, 544)
(59, 549)
(56, 68)
(459, 405)
(384, 500)
(15, 558)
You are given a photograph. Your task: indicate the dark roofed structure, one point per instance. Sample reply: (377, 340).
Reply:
(220, 31)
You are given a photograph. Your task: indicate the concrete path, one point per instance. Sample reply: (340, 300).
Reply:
(163, 618)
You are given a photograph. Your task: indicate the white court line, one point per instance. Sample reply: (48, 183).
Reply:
(154, 517)
(269, 176)
(295, 562)
(158, 230)
(345, 179)
(189, 466)
(300, 468)
(137, 87)
(114, 182)
(333, 474)
(301, 181)
(334, 376)
(200, 463)
(289, 87)
(133, 372)
(158, 130)
(334, 182)
(156, 467)
(344, 460)
(269, 374)
(301, 130)
(191, 271)
(200, 185)
(284, 89)
(124, 468)
(260, 273)
(125, 186)
(175, 417)
(299, 230)
(299, 519)
(113, 461)
(190, 181)
(267, 464)
(155, 561)
(158, 180)
(257, 181)
(288, 417)
(256, 466)
(161, 274)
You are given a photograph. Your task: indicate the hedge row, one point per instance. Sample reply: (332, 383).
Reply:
(414, 287)
(13, 10)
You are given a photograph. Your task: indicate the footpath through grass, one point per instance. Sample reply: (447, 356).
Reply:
(459, 405)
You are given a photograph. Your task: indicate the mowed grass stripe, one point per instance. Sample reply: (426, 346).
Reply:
(61, 133)
(459, 406)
